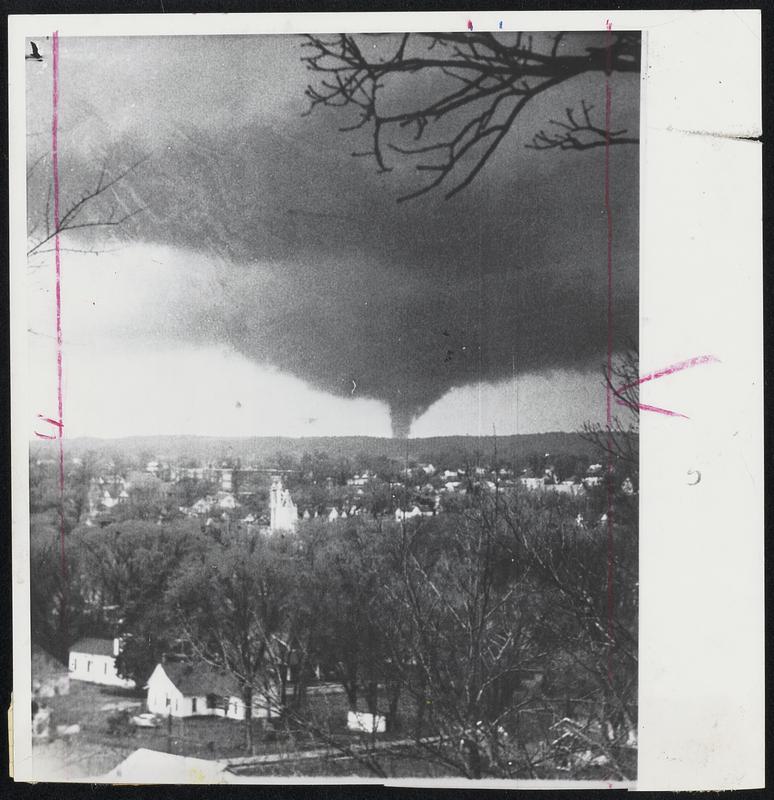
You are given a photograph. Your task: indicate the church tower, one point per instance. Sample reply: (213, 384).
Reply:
(282, 510)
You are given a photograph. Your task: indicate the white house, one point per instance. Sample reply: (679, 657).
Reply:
(227, 501)
(363, 722)
(203, 505)
(188, 690)
(360, 480)
(94, 660)
(401, 515)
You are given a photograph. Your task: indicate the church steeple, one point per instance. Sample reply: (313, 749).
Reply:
(282, 509)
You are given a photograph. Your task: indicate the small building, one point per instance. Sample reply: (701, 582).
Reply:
(364, 722)
(400, 514)
(94, 660)
(50, 677)
(227, 501)
(181, 689)
(203, 505)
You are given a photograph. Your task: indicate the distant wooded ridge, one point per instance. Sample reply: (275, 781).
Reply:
(264, 448)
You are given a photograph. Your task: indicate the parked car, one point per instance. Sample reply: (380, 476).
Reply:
(145, 720)
(120, 724)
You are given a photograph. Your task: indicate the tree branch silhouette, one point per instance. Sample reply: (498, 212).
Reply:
(485, 84)
(72, 219)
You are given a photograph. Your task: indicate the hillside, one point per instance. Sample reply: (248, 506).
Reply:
(263, 449)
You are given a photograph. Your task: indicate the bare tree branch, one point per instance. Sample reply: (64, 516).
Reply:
(480, 73)
(578, 135)
(68, 220)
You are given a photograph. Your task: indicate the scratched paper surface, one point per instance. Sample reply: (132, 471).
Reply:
(348, 369)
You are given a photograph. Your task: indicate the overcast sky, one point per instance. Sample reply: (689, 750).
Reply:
(273, 286)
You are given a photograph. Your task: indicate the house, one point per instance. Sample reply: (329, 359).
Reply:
(202, 506)
(50, 677)
(227, 501)
(364, 722)
(94, 660)
(565, 487)
(227, 479)
(182, 689)
(104, 494)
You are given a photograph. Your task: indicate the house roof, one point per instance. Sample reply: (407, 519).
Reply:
(200, 679)
(94, 646)
(169, 768)
(44, 664)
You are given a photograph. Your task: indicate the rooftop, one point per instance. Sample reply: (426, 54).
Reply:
(199, 679)
(94, 646)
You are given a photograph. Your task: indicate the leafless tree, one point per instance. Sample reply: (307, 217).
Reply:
(99, 206)
(618, 441)
(590, 631)
(481, 85)
(229, 607)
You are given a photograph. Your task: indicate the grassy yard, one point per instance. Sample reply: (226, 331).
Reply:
(90, 706)
(94, 750)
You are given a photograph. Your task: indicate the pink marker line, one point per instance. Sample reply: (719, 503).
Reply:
(671, 369)
(58, 289)
(609, 391)
(55, 422)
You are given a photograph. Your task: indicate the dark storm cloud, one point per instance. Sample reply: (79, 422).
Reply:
(324, 275)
